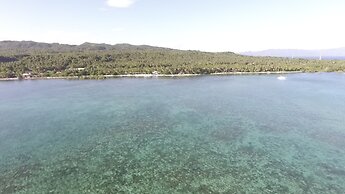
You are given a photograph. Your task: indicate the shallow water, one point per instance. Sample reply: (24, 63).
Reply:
(209, 134)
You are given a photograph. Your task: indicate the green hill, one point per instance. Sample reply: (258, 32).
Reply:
(88, 59)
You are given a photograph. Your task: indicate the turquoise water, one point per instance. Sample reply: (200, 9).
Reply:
(208, 134)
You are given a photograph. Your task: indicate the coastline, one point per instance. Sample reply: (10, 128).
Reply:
(257, 73)
(149, 75)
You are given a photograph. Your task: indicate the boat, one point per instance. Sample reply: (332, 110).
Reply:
(281, 78)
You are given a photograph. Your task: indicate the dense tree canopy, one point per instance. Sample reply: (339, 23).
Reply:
(97, 60)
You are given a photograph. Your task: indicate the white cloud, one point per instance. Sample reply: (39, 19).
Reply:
(120, 3)
(118, 29)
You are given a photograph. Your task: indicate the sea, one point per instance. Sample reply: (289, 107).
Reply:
(203, 134)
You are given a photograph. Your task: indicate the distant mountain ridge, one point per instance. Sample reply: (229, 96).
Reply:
(29, 46)
(337, 52)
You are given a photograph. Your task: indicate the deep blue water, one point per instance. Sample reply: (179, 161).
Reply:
(208, 134)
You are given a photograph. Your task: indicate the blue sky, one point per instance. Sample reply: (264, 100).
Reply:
(208, 25)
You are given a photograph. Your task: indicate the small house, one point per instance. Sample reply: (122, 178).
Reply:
(27, 75)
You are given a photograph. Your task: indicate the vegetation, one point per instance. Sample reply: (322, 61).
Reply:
(47, 60)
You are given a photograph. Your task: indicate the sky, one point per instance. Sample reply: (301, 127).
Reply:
(206, 25)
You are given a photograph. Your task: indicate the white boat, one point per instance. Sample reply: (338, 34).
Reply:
(281, 78)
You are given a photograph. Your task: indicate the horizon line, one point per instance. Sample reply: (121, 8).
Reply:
(167, 47)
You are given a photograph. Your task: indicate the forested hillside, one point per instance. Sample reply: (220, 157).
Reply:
(46, 60)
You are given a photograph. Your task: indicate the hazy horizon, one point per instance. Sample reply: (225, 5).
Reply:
(194, 25)
(186, 49)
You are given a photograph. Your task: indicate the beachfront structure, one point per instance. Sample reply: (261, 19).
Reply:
(155, 73)
(27, 75)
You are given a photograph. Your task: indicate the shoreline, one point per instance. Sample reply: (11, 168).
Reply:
(150, 75)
